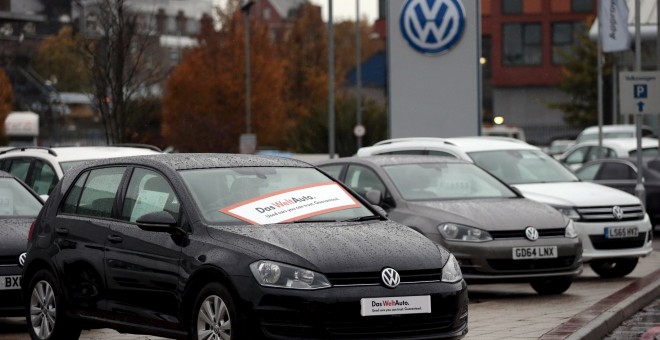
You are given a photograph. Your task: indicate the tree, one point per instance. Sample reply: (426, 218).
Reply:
(62, 60)
(580, 82)
(344, 38)
(6, 102)
(206, 92)
(123, 64)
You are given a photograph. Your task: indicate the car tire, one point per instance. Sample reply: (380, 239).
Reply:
(614, 268)
(215, 311)
(45, 310)
(551, 285)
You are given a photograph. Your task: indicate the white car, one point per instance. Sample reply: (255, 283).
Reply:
(41, 167)
(613, 131)
(614, 229)
(578, 154)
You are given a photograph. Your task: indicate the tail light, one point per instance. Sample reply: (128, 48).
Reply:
(31, 230)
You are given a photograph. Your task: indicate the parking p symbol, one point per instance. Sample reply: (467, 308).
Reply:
(641, 90)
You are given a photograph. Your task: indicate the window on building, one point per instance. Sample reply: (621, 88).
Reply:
(512, 6)
(582, 5)
(266, 13)
(522, 44)
(564, 35)
(170, 25)
(193, 26)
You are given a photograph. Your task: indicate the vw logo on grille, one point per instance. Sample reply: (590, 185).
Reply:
(531, 233)
(617, 212)
(390, 277)
(432, 26)
(21, 259)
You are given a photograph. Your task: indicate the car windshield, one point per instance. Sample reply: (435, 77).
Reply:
(522, 166)
(266, 195)
(15, 200)
(445, 181)
(594, 136)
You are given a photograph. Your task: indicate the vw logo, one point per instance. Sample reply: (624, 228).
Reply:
(390, 277)
(531, 233)
(21, 259)
(432, 26)
(617, 212)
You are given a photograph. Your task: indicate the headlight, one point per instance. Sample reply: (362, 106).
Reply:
(280, 275)
(457, 232)
(569, 212)
(570, 230)
(451, 272)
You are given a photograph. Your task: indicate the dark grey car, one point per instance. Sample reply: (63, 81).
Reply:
(496, 234)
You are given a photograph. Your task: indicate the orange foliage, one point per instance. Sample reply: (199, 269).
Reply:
(205, 94)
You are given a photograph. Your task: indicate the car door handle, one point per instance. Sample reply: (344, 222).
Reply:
(62, 231)
(115, 238)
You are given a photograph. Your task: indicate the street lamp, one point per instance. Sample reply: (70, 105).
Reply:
(248, 140)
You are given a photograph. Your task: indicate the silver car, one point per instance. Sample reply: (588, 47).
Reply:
(496, 234)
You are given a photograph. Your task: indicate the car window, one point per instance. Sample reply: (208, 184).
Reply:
(440, 181)
(98, 192)
(592, 154)
(576, 156)
(19, 167)
(645, 152)
(71, 202)
(333, 170)
(148, 191)
(612, 171)
(44, 178)
(440, 153)
(522, 166)
(16, 200)
(362, 179)
(588, 172)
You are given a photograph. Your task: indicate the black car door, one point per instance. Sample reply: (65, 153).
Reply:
(142, 267)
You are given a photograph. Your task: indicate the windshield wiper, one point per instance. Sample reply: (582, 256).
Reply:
(313, 221)
(364, 218)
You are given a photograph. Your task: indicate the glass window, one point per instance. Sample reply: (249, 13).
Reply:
(99, 192)
(582, 5)
(512, 6)
(592, 154)
(576, 156)
(72, 199)
(170, 25)
(588, 173)
(441, 153)
(19, 167)
(44, 178)
(522, 44)
(362, 179)
(522, 166)
(332, 170)
(148, 192)
(16, 200)
(645, 152)
(564, 36)
(616, 171)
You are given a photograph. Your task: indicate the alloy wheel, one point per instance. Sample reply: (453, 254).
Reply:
(213, 321)
(42, 309)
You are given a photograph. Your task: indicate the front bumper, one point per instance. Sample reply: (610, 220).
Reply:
(334, 313)
(596, 246)
(11, 301)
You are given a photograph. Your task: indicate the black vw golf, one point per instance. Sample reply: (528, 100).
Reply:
(212, 246)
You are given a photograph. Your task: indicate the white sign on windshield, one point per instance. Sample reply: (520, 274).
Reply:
(6, 202)
(293, 204)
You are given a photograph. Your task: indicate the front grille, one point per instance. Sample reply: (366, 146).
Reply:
(605, 214)
(374, 278)
(561, 262)
(519, 234)
(601, 243)
(8, 260)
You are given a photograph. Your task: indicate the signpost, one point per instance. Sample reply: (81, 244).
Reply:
(639, 92)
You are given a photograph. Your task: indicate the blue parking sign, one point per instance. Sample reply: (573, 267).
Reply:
(641, 91)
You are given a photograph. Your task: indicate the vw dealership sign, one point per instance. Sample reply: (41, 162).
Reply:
(432, 26)
(434, 74)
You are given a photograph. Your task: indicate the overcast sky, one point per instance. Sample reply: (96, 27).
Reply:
(345, 9)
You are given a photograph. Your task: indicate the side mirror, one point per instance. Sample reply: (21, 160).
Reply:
(374, 197)
(158, 221)
(379, 209)
(517, 191)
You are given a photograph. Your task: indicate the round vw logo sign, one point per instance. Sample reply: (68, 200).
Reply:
(21, 259)
(432, 26)
(617, 212)
(390, 277)
(531, 233)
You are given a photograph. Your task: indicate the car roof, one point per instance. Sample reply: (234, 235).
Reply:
(610, 128)
(382, 160)
(79, 153)
(623, 143)
(466, 144)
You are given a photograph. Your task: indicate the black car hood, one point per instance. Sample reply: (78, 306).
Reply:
(492, 214)
(13, 235)
(337, 247)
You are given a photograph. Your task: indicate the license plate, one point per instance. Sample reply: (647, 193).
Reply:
(395, 305)
(621, 232)
(526, 253)
(10, 282)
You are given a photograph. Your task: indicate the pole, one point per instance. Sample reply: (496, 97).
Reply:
(599, 56)
(248, 108)
(358, 70)
(331, 84)
(639, 187)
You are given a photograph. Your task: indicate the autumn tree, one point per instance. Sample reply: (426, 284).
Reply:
(61, 59)
(206, 92)
(122, 54)
(344, 38)
(6, 102)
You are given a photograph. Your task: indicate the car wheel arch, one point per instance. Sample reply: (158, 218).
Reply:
(197, 281)
(34, 267)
